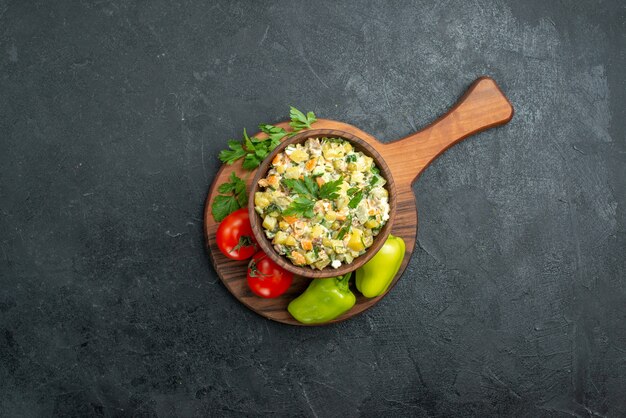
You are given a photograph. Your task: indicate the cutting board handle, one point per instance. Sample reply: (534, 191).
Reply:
(483, 106)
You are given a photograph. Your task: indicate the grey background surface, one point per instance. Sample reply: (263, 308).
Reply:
(111, 116)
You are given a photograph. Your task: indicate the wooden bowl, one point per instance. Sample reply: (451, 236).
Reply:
(305, 271)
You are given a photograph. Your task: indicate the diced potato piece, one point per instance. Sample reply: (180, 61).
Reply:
(269, 222)
(339, 164)
(280, 169)
(283, 225)
(282, 201)
(327, 242)
(355, 242)
(293, 172)
(353, 167)
(331, 216)
(347, 147)
(280, 237)
(332, 151)
(379, 192)
(356, 177)
(261, 200)
(367, 162)
(310, 257)
(317, 231)
(322, 263)
(338, 246)
(372, 223)
(291, 241)
(299, 155)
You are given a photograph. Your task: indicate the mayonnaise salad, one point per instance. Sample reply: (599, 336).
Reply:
(322, 202)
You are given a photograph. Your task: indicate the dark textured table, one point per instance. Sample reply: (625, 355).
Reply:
(111, 116)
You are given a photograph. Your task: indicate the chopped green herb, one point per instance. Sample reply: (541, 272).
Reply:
(272, 208)
(345, 229)
(352, 190)
(356, 199)
(351, 158)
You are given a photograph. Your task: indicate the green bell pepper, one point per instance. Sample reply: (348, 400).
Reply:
(375, 276)
(323, 301)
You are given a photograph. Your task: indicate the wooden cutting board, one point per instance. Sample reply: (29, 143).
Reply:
(483, 106)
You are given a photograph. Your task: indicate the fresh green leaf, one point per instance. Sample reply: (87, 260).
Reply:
(260, 148)
(225, 188)
(356, 199)
(299, 120)
(298, 186)
(351, 191)
(235, 152)
(251, 161)
(301, 206)
(232, 197)
(351, 158)
(248, 142)
(311, 185)
(375, 170)
(274, 133)
(223, 206)
(329, 189)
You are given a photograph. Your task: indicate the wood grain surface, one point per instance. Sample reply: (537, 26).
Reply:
(483, 106)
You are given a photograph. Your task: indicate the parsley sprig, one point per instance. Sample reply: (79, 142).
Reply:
(232, 197)
(254, 150)
(300, 206)
(299, 120)
(308, 193)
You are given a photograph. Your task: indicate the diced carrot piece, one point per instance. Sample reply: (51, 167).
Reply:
(306, 244)
(277, 159)
(310, 165)
(290, 219)
(297, 258)
(319, 181)
(272, 181)
(341, 216)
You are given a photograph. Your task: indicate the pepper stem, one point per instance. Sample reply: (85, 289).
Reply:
(343, 282)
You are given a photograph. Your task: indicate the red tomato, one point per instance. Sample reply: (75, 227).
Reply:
(234, 236)
(266, 278)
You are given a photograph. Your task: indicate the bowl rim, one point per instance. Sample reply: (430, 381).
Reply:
(379, 240)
